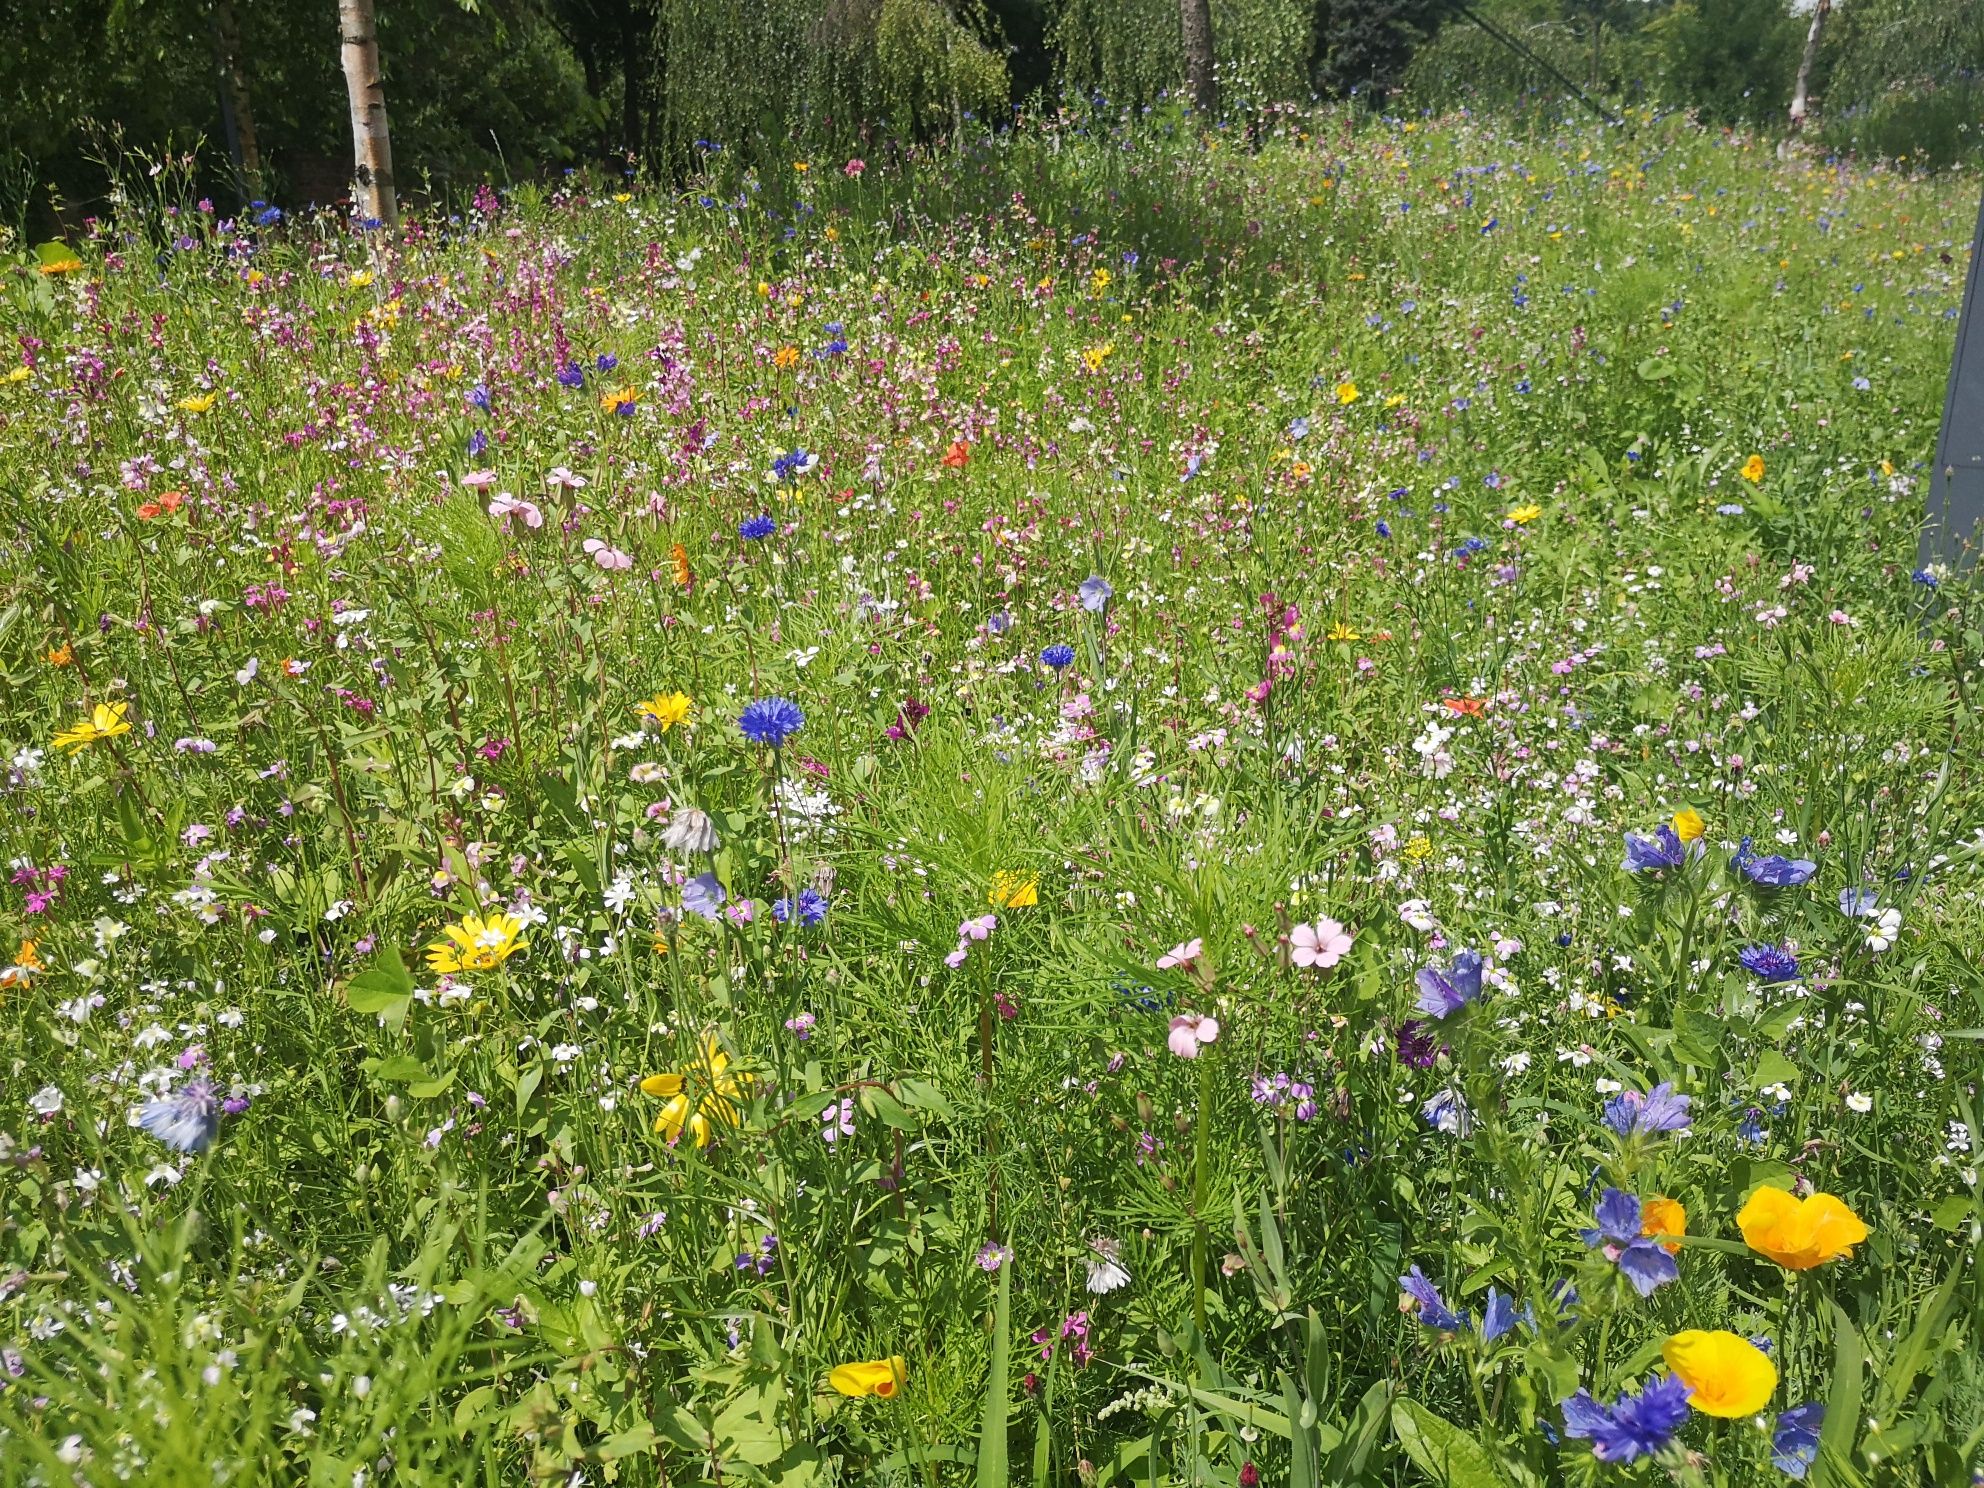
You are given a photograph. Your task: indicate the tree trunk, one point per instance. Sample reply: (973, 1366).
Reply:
(240, 117)
(1195, 25)
(371, 144)
(1801, 94)
(633, 70)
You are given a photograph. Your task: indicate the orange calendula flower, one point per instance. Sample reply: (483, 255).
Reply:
(1688, 824)
(1799, 1233)
(880, 1377)
(106, 721)
(1471, 707)
(957, 456)
(712, 1101)
(61, 266)
(1664, 1220)
(786, 358)
(1753, 469)
(477, 944)
(1014, 890)
(1726, 1374)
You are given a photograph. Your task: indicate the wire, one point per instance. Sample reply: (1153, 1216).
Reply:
(1522, 51)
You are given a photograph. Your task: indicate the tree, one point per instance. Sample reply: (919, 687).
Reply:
(371, 143)
(1801, 90)
(1195, 27)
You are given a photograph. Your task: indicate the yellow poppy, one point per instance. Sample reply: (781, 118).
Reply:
(722, 1088)
(1726, 1375)
(1753, 469)
(1688, 824)
(1664, 1220)
(1346, 393)
(1799, 1233)
(881, 1377)
(106, 721)
(477, 944)
(667, 709)
(1014, 890)
(1527, 513)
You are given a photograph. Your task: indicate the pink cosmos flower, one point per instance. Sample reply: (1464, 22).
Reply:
(1322, 944)
(1181, 957)
(1190, 1032)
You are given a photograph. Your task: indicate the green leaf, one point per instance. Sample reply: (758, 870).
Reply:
(992, 1469)
(1442, 1451)
(1843, 1405)
(398, 1068)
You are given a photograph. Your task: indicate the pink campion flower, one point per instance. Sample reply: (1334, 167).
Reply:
(560, 476)
(1322, 944)
(507, 505)
(1181, 957)
(853, 169)
(606, 555)
(477, 480)
(1191, 1032)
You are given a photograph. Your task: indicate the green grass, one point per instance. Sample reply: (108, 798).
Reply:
(1285, 403)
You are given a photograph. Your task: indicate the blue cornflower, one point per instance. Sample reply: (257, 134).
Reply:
(1633, 1113)
(703, 895)
(1769, 963)
(1095, 593)
(1432, 1309)
(1444, 993)
(1472, 546)
(1794, 1446)
(268, 216)
(792, 464)
(1058, 655)
(477, 443)
(1643, 1261)
(755, 529)
(478, 397)
(1384, 528)
(771, 721)
(1923, 577)
(571, 375)
(812, 908)
(185, 1119)
(1664, 849)
(1633, 1426)
(1772, 871)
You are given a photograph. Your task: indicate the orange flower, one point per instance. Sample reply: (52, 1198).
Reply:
(1661, 1218)
(684, 575)
(1753, 469)
(957, 456)
(1799, 1233)
(1470, 706)
(786, 358)
(62, 655)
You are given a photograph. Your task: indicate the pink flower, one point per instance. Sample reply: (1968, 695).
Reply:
(979, 928)
(507, 505)
(853, 169)
(1190, 1033)
(1181, 957)
(605, 555)
(1322, 944)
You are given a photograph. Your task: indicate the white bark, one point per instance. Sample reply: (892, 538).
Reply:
(1801, 94)
(371, 144)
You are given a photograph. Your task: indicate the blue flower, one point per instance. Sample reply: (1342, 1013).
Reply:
(792, 464)
(1772, 871)
(754, 529)
(703, 895)
(1769, 963)
(1432, 1309)
(1923, 577)
(1298, 429)
(1058, 656)
(478, 397)
(185, 1119)
(606, 361)
(268, 216)
(1095, 593)
(1472, 546)
(1633, 1426)
(771, 721)
(1664, 849)
(998, 623)
(1643, 1261)
(812, 908)
(571, 375)
(1444, 993)
(1730, 509)
(1859, 904)
(1631, 1113)
(477, 443)
(1384, 528)
(1794, 1446)
(1498, 1315)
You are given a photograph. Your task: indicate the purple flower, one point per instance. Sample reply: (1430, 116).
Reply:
(1795, 1444)
(703, 895)
(571, 375)
(1431, 1309)
(1058, 656)
(185, 1119)
(1444, 993)
(1643, 1261)
(1498, 1315)
(755, 529)
(1773, 871)
(771, 721)
(1631, 1113)
(1769, 963)
(1633, 1426)
(812, 908)
(1095, 593)
(1418, 1045)
(1664, 849)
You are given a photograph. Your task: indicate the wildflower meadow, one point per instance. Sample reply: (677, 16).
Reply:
(1104, 805)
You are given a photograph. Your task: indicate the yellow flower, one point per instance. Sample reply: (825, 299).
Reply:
(1418, 848)
(1527, 513)
(667, 709)
(22, 374)
(1726, 1375)
(1099, 280)
(360, 278)
(1799, 1233)
(1012, 890)
(61, 266)
(801, 166)
(620, 399)
(721, 1090)
(1662, 1218)
(1688, 824)
(623, 197)
(1753, 469)
(477, 944)
(106, 721)
(881, 1377)
(1095, 356)
(1342, 632)
(196, 403)
(1346, 393)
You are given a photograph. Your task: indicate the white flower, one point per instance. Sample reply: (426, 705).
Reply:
(1860, 1102)
(619, 893)
(46, 1101)
(1416, 913)
(1885, 930)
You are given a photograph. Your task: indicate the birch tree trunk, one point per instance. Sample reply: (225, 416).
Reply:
(234, 88)
(1800, 95)
(1195, 26)
(371, 144)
